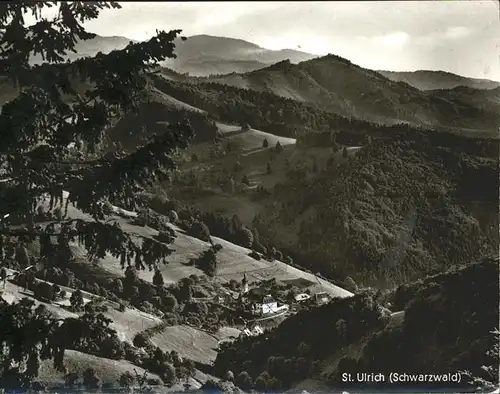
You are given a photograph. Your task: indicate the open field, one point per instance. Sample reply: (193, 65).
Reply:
(189, 342)
(172, 102)
(192, 343)
(233, 262)
(108, 370)
(253, 138)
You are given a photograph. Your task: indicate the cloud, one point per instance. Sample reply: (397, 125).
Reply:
(456, 32)
(392, 39)
(457, 36)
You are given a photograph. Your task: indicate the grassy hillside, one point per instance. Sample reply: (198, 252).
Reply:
(430, 80)
(334, 84)
(179, 332)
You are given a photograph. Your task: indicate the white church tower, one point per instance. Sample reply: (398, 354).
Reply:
(244, 283)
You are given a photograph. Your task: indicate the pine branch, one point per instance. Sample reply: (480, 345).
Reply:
(99, 238)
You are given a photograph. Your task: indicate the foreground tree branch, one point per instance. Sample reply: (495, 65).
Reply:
(53, 139)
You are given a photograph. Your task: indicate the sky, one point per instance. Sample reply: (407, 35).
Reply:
(462, 36)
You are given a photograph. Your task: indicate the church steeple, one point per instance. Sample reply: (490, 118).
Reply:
(244, 283)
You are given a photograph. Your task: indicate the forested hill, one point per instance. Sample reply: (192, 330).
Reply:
(280, 115)
(395, 212)
(336, 85)
(447, 327)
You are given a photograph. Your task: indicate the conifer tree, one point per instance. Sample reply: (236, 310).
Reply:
(50, 113)
(60, 105)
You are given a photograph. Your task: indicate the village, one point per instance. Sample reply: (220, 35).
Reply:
(256, 305)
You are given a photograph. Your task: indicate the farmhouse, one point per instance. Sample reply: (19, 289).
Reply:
(321, 297)
(261, 303)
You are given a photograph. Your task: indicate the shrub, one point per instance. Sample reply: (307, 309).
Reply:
(245, 237)
(141, 340)
(71, 379)
(44, 291)
(245, 180)
(278, 255)
(142, 217)
(173, 216)
(244, 381)
(262, 381)
(265, 143)
(90, 379)
(229, 376)
(154, 382)
(134, 293)
(207, 261)
(351, 285)
(199, 230)
(198, 308)
(165, 236)
(253, 254)
(278, 148)
(258, 247)
(126, 380)
(147, 307)
(117, 286)
(158, 278)
(76, 299)
(269, 169)
(170, 303)
(167, 373)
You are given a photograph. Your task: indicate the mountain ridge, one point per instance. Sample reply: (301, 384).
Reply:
(337, 85)
(438, 79)
(228, 63)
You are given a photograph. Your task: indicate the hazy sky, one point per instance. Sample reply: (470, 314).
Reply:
(457, 36)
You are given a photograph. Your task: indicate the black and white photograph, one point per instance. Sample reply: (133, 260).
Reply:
(249, 197)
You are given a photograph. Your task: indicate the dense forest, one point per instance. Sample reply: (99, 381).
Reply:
(394, 212)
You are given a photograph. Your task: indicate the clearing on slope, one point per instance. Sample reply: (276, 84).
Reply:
(233, 260)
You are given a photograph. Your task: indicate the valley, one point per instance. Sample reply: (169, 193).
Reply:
(205, 214)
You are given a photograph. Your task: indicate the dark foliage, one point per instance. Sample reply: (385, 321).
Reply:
(396, 212)
(290, 352)
(74, 103)
(447, 328)
(199, 230)
(207, 261)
